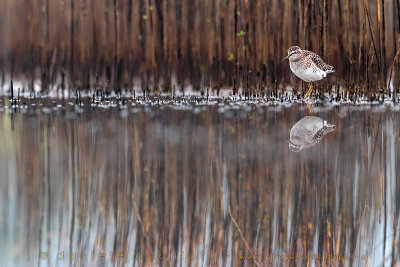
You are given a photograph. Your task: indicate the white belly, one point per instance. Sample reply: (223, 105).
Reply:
(309, 74)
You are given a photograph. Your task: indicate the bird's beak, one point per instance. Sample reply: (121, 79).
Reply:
(287, 141)
(285, 57)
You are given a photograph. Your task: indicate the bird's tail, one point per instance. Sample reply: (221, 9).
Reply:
(330, 69)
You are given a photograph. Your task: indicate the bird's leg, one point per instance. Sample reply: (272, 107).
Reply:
(310, 87)
(310, 109)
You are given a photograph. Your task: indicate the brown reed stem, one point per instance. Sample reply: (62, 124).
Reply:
(242, 236)
(372, 36)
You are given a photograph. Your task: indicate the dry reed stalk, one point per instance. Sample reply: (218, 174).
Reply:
(206, 43)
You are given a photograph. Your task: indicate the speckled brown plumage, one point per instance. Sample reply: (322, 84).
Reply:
(307, 65)
(318, 61)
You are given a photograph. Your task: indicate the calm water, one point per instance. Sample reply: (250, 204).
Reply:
(202, 185)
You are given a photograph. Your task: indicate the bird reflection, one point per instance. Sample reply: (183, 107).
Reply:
(307, 132)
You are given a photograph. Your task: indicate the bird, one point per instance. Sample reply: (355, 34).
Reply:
(307, 65)
(308, 132)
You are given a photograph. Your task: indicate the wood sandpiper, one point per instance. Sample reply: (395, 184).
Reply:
(308, 132)
(307, 65)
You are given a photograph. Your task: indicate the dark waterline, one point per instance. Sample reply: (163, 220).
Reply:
(209, 184)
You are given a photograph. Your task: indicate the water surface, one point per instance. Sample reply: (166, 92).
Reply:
(207, 185)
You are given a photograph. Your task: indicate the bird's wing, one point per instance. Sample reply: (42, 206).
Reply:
(301, 134)
(318, 135)
(319, 62)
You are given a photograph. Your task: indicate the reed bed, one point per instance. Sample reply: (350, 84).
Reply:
(210, 186)
(205, 44)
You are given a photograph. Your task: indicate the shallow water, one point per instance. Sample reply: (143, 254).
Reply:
(207, 185)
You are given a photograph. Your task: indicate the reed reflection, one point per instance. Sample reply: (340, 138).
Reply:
(210, 185)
